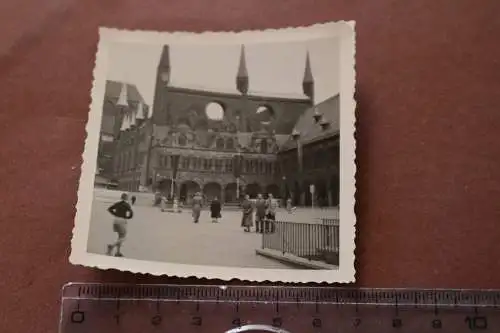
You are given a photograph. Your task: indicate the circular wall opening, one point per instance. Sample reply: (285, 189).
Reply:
(214, 111)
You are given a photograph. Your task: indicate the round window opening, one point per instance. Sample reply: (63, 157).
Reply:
(214, 111)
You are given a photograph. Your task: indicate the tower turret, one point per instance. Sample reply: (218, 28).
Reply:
(164, 69)
(242, 76)
(308, 81)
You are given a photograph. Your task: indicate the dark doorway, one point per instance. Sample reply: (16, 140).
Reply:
(253, 189)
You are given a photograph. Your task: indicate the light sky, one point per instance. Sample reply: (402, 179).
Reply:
(274, 69)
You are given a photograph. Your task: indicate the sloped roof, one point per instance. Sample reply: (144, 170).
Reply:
(113, 89)
(310, 130)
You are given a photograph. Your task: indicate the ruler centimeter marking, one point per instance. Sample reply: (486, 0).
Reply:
(147, 308)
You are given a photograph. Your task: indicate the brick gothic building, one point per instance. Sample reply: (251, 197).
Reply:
(119, 99)
(252, 145)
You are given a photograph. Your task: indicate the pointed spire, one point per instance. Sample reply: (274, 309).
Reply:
(123, 98)
(242, 76)
(165, 57)
(140, 111)
(128, 122)
(124, 123)
(164, 69)
(308, 81)
(132, 119)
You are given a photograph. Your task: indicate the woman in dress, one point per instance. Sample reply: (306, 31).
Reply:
(247, 207)
(197, 203)
(215, 208)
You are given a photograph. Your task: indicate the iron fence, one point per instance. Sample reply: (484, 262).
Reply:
(312, 241)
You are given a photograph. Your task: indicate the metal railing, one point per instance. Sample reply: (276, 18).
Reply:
(312, 241)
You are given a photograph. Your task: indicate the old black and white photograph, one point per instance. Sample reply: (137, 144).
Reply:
(221, 155)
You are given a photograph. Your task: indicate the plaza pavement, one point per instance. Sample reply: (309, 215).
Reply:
(173, 237)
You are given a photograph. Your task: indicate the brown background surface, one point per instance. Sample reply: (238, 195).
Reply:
(428, 88)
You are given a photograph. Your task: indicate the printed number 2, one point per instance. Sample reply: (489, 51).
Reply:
(477, 323)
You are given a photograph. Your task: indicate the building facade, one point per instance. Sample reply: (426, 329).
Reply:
(120, 99)
(310, 158)
(225, 145)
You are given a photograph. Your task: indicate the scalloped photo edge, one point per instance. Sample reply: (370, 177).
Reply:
(160, 188)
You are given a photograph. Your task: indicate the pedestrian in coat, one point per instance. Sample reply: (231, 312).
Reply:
(246, 219)
(215, 209)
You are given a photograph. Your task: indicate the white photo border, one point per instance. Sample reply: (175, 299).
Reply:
(345, 30)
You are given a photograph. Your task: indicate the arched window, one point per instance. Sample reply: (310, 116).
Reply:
(265, 114)
(219, 144)
(263, 146)
(229, 143)
(182, 141)
(214, 111)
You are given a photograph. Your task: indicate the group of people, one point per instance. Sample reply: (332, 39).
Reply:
(264, 209)
(215, 208)
(265, 213)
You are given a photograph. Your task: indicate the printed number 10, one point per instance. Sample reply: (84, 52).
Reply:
(477, 323)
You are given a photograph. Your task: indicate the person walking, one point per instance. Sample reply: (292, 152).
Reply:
(289, 207)
(122, 211)
(260, 213)
(175, 205)
(163, 204)
(197, 204)
(133, 200)
(215, 209)
(246, 219)
(272, 207)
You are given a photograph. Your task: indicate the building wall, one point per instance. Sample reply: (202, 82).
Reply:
(177, 104)
(130, 157)
(212, 172)
(321, 166)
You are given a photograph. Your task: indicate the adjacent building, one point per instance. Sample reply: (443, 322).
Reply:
(222, 144)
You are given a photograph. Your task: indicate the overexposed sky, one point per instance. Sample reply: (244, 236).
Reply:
(275, 69)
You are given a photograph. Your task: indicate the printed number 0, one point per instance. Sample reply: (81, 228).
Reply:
(77, 317)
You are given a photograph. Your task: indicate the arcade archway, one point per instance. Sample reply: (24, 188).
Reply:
(212, 190)
(253, 189)
(307, 193)
(321, 193)
(187, 190)
(164, 186)
(273, 189)
(335, 190)
(230, 193)
(296, 194)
